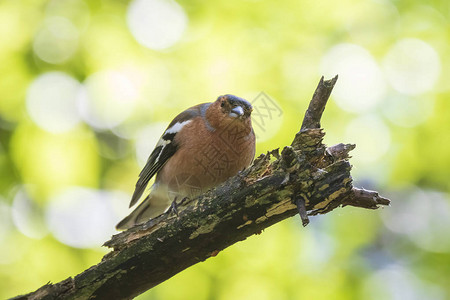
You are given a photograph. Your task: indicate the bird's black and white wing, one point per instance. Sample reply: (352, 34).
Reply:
(164, 150)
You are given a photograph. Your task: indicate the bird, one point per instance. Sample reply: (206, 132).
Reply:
(201, 148)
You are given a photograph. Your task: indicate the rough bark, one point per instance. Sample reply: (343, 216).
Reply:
(305, 178)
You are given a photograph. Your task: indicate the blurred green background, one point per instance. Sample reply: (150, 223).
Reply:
(87, 87)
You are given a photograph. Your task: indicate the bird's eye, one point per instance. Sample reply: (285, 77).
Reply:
(222, 104)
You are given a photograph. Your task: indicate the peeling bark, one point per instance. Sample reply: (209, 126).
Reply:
(306, 178)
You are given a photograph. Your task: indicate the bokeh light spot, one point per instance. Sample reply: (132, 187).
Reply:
(317, 251)
(397, 283)
(77, 11)
(27, 216)
(424, 216)
(52, 102)
(361, 83)
(107, 99)
(408, 111)
(156, 24)
(412, 66)
(81, 217)
(56, 41)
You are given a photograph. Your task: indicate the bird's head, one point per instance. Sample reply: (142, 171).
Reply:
(228, 110)
(234, 107)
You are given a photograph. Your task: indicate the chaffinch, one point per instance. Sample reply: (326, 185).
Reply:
(201, 148)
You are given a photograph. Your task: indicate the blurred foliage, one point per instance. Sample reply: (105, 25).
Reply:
(87, 87)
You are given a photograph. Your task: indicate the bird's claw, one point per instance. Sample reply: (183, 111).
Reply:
(173, 207)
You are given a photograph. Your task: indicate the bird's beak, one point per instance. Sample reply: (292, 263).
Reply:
(237, 111)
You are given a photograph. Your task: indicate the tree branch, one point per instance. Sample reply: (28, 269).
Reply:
(306, 178)
(317, 105)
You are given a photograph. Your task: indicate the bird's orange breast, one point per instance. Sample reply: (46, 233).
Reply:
(208, 158)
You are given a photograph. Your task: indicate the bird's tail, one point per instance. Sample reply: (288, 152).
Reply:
(148, 209)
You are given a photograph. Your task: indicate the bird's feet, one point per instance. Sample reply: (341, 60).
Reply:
(173, 208)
